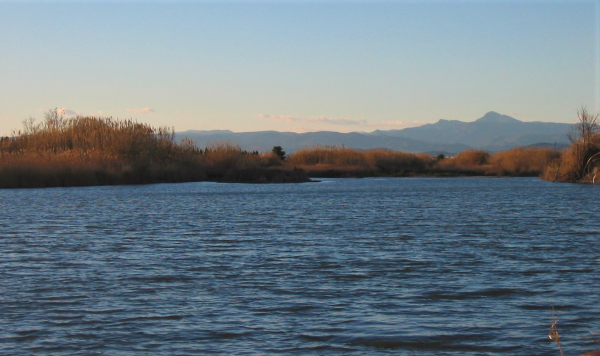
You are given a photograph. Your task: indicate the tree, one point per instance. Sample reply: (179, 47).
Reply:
(279, 152)
(587, 127)
(581, 137)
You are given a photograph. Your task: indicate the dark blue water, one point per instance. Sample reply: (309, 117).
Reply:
(355, 266)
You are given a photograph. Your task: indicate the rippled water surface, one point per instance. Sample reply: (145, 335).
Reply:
(355, 266)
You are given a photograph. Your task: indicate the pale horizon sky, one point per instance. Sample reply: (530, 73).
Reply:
(299, 66)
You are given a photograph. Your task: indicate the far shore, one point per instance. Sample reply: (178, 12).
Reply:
(88, 151)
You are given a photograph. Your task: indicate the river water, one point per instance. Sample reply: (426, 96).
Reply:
(399, 266)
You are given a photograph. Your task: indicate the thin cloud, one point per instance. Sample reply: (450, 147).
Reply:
(279, 118)
(344, 121)
(141, 111)
(336, 121)
(301, 129)
(66, 112)
(62, 111)
(97, 113)
(396, 123)
(181, 112)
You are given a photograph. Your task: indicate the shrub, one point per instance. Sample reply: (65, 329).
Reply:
(279, 152)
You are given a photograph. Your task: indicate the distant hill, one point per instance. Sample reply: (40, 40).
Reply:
(492, 132)
(556, 146)
(265, 140)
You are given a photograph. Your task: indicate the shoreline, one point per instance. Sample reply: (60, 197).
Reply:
(261, 180)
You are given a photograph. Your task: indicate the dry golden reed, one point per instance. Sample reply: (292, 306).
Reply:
(98, 151)
(521, 161)
(322, 161)
(578, 163)
(554, 335)
(469, 160)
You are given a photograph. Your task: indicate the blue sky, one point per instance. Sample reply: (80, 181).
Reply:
(292, 66)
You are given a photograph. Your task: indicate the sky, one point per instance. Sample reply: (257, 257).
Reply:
(298, 66)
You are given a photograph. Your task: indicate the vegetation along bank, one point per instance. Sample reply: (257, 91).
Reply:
(84, 151)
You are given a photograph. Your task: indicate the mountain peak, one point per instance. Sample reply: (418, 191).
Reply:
(494, 117)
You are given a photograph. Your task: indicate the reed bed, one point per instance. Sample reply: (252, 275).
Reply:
(86, 151)
(578, 163)
(100, 151)
(471, 162)
(327, 155)
(333, 161)
(521, 161)
(530, 162)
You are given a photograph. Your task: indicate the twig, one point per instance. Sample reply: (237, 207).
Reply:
(553, 334)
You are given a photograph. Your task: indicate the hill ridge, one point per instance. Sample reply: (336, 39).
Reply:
(491, 132)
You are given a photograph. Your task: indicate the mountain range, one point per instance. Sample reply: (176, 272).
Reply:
(492, 132)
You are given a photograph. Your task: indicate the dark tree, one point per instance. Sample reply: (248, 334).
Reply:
(279, 152)
(581, 136)
(586, 127)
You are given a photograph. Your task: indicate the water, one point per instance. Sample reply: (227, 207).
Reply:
(356, 266)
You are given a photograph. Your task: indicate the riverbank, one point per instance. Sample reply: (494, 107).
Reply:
(339, 162)
(87, 151)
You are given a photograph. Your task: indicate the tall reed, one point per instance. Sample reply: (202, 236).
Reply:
(468, 161)
(343, 162)
(521, 161)
(578, 162)
(96, 151)
(554, 335)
